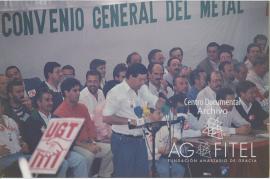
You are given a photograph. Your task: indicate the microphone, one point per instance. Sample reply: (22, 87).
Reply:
(139, 113)
(165, 109)
(181, 116)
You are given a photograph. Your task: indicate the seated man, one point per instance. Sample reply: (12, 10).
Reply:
(18, 107)
(224, 111)
(31, 85)
(85, 143)
(11, 146)
(249, 108)
(36, 125)
(189, 128)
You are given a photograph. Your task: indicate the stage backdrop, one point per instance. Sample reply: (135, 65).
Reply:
(74, 33)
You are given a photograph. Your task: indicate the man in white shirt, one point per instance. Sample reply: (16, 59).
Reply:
(91, 95)
(173, 66)
(209, 92)
(128, 145)
(156, 83)
(225, 113)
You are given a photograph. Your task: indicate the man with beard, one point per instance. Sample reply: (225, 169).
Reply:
(91, 95)
(180, 85)
(37, 123)
(214, 81)
(19, 107)
(156, 83)
(31, 85)
(227, 71)
(173, 65)
(85, 143)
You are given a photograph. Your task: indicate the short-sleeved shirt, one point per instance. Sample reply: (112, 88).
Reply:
(88, 130)
(121, 101)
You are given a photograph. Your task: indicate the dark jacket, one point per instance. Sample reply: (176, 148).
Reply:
(255, 116)
(206, 66)
(31, 86)
(10, 113)
(57, 96)
(33, 130)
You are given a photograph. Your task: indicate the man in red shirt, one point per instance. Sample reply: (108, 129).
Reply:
(85, 142)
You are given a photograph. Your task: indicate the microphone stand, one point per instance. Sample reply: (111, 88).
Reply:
(154, 127)
(170, 143)
(153, 131)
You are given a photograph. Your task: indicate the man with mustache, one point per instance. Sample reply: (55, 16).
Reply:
(91, 95)
(227, 71)
(214, 81)
(156, 83)
(37, 123)
(173, 66)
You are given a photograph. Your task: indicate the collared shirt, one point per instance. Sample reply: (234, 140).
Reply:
(214, 112)
(89, 100)
(121, 101)
(56, 90)
(169, 78)
(206, 93)
(9, 135)
(45, 118)
(258, 81)
(248, 64)
(102, 83)
(88, 130)
(214, 64)
(155, 91)
(245, 107)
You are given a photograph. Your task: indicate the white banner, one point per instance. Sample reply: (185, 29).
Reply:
(74, 33)
(54, 145)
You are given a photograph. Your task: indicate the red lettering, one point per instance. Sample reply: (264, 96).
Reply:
(72, 127)
(50, 132)
(61, 129)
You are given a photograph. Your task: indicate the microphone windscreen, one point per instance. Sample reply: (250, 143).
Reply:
(165, 109)
(138, 111)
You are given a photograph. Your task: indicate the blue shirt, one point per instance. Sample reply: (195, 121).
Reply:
(192, 93)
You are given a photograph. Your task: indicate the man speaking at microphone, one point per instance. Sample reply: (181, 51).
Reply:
(128, 145)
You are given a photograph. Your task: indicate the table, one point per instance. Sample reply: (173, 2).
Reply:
(243, 155)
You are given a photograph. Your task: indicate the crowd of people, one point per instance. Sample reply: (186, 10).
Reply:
(27, 106)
